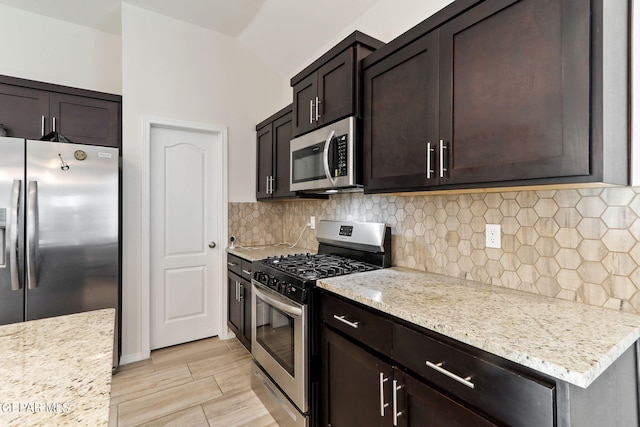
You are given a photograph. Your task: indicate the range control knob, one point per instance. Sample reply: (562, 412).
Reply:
(290, 290)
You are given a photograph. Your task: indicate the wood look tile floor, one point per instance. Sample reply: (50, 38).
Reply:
(202, 383)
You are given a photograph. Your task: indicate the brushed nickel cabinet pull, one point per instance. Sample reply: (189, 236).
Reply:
(442, 168)
(354, 325)
(438, 367)
(317, 109)
(429, 151)
(310, 111)
(382, 404)
(396, 414)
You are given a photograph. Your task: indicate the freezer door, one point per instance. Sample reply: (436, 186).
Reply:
(71, 229)
(11, 231)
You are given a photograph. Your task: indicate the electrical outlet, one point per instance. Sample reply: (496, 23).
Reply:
(312, 222)
(493, 236)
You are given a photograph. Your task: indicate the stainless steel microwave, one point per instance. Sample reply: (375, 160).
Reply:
(325, 159)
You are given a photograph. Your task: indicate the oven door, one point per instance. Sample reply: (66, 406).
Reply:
(279, 341)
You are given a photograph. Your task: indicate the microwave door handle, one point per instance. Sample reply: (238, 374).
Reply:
(325, 157)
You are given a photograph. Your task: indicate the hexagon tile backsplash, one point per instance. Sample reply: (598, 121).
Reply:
(575, 244)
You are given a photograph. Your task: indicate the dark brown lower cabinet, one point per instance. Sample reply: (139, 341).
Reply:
(350, 378)
(360, 389)
(234, 308)
(419, 405)
(239, 298)
(429, 380)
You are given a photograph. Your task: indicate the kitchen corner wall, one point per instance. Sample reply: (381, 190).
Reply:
(574, 244)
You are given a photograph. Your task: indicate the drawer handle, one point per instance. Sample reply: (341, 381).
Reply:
(354, 325)
(438, 367)
(246, 272)
(231, 264)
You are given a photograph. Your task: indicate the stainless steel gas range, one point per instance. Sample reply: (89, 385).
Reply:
(284, 326)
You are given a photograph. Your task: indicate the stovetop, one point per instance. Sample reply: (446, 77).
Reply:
(294, 275)
(317, 266)
(345, 247)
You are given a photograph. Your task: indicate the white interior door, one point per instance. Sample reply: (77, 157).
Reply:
(184, 267)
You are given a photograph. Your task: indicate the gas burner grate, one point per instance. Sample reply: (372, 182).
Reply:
(317, 266)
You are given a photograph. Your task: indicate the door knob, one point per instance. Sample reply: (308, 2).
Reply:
(212, 245)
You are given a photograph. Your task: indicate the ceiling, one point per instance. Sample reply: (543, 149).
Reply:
(282, 32)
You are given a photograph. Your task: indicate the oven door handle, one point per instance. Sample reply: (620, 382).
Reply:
(325, 158)
(287, 308)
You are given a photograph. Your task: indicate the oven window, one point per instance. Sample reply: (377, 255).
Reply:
(307, 163)
(274, 333)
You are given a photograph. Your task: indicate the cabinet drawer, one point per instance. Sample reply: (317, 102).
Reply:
(234, 263)
(505, 395)
(366, 327)
(246, 269)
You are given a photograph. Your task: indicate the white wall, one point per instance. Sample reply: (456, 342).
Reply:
(44, 49)
(385, 20)
(178, 71)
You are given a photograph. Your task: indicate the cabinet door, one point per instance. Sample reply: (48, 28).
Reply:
(350, 384)
(419, 405)
(264, 162)
(515, 91)
(282, 133)
(245, 294)
(336, 91)
(304, 98)
(245, 291)
(85, 120)
(234, 307)
(22, 111)
(400, 118)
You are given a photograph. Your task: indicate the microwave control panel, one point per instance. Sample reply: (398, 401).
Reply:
(340, 168)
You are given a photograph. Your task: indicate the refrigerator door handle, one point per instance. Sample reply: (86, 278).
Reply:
(32, 235)
(12, 241)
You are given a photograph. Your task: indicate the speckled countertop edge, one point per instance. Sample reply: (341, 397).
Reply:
(57, 371)
(567, 340)
(261, 252)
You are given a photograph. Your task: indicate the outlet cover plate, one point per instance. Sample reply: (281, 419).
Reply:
(493, 234)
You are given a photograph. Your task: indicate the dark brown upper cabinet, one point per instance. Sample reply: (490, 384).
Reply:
(328, 90)
(500, 93)
(31, 110)
(272, 157)
(23, 111)
(401, 118)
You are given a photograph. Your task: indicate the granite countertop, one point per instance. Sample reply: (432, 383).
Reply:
(567, 340)
(57, 371)
(258, 253)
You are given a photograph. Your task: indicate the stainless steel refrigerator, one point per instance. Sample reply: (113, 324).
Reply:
(59, 230)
